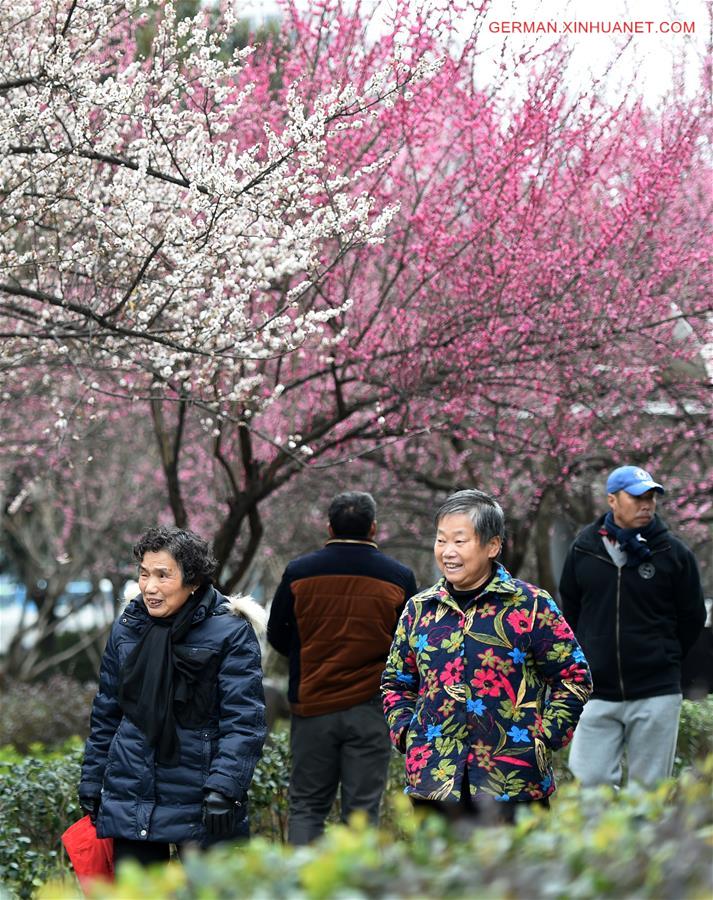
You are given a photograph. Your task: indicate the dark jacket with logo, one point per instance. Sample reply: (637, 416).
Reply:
(142, 799)
(635, 624)
(334, 615)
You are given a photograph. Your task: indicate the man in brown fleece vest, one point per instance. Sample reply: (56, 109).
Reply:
(334, 615)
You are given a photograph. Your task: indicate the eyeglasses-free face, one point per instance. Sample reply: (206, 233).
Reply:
(161, 584)
(460, 556)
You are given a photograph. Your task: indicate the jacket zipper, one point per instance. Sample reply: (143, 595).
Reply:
(618, 608)
(608, 559)
(618, 631)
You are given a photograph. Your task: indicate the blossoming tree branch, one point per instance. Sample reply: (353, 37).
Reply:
(348, 243)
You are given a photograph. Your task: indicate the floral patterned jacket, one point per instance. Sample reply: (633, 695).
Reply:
(471, 689)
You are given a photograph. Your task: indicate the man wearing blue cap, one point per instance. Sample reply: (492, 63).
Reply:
(632, 593)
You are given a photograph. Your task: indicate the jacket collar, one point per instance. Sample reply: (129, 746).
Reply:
(351, 541)
(502, 582)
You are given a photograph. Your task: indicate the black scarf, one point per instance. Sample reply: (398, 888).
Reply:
(632, 540)
(156, 686)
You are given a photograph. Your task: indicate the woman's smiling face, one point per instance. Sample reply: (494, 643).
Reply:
(460, 556)
(161, 584)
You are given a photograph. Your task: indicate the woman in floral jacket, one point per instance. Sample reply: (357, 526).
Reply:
(485, 678)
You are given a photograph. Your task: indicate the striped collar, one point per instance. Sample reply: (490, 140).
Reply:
(351, 541)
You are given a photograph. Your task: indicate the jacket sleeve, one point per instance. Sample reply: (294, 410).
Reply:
(400, 682)
(241, 726)
(570, 594)
(691, 607)
(281, 624)
(105, 718)
(562, 666)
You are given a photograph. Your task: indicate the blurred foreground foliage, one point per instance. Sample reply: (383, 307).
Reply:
(592, 844)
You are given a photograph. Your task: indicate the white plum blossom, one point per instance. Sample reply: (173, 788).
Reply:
(138, 233)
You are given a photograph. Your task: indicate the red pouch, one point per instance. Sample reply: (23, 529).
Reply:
(91, 856)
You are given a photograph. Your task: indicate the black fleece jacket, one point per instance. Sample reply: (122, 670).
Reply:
(635, 624)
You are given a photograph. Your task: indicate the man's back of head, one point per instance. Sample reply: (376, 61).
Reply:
(352, 514)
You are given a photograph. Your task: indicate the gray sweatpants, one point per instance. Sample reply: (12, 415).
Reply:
(350, 746)
(646, 730)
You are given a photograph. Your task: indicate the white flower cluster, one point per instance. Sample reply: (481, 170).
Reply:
(139, 231)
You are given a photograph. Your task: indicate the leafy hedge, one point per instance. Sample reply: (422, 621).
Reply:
(268, 792)
(600, 844)
(695, 732)
(38, 801)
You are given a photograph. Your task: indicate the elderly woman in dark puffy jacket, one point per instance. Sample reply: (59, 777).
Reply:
(178, 722)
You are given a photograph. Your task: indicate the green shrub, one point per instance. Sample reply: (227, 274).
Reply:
(594, 844)
(268, 792)
(37, 803)
(695, 732)
(46, 712)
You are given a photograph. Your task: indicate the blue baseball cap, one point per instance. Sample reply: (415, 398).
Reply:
(633, 480)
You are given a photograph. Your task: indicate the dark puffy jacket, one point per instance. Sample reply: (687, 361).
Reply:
(636, 623)
(144, 800)
(334, 615)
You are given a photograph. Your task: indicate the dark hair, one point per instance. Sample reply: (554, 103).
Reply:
(485, 513)
(191, 552)
(351, 514)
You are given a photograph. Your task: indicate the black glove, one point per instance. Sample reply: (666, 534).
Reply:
(220, 814)
(90, 807)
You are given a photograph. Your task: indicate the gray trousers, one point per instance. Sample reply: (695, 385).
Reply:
(350, 746)
(647, 730)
